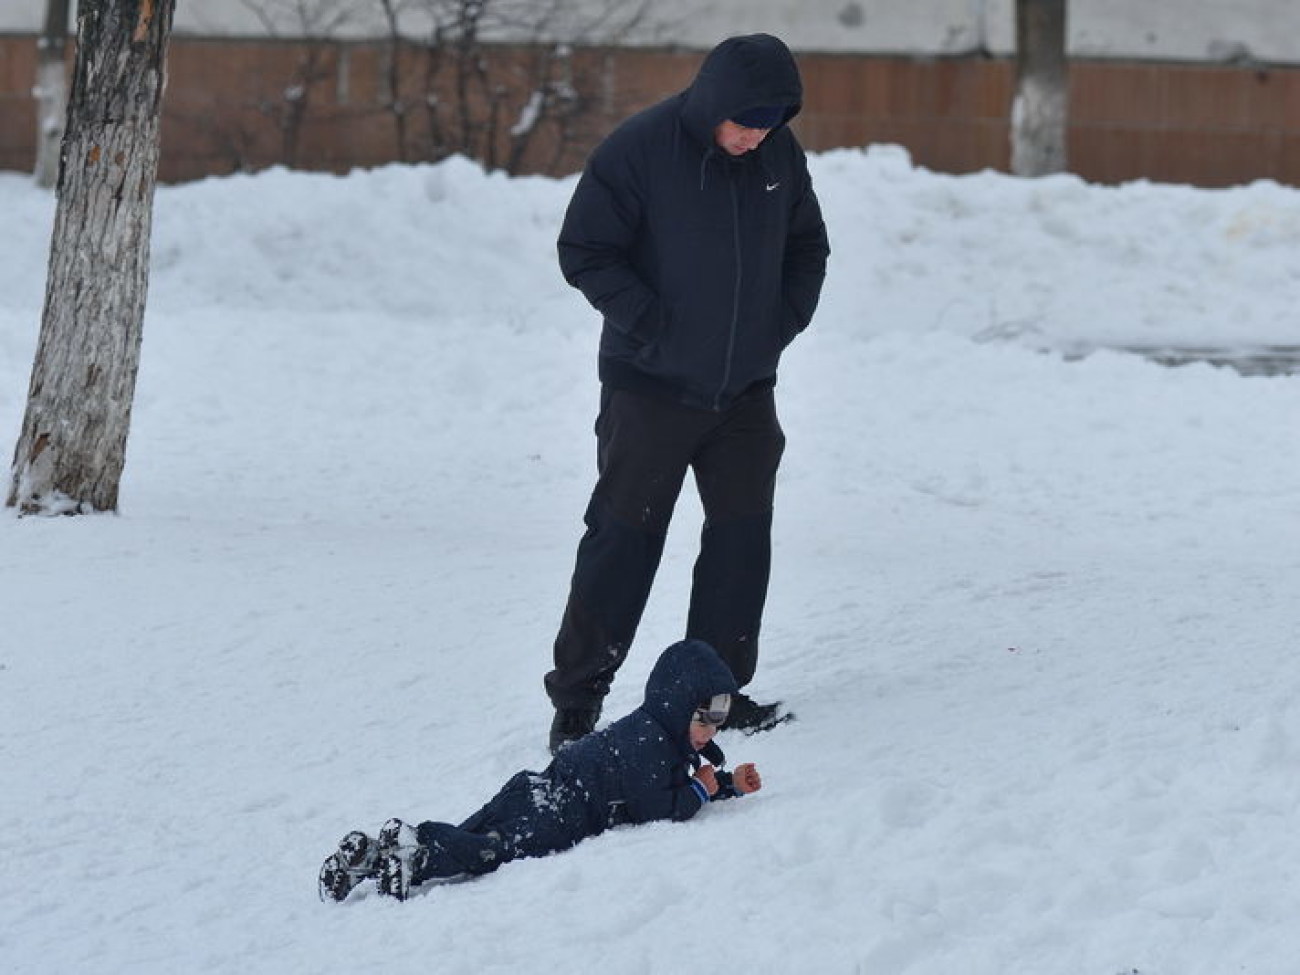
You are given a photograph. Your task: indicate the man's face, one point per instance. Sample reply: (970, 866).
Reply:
(736, 140)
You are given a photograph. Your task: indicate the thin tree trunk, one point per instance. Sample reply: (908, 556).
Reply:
(51, 92)
(72, 447)
(392, 73)
(1039, 115)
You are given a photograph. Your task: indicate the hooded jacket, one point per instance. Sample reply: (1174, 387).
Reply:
(639, 768)
(704, 265)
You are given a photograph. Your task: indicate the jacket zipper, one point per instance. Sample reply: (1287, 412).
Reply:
(735, 293)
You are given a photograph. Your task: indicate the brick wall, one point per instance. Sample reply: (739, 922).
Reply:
(226, 109)
(17, 110)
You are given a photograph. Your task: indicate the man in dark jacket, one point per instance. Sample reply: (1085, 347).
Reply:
(647, 766)
(695, 232)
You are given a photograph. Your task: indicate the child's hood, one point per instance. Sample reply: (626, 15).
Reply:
(686, 674)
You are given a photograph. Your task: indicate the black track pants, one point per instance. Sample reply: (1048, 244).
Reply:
(644, 449)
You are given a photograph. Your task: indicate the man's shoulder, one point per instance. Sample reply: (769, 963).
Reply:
(650, 126)
(662, 113)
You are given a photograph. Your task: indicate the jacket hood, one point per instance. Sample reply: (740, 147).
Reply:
(686, 674)
(739, 74)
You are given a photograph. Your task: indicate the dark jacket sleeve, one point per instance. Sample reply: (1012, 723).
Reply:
(600, 227)
(806, 251)
(688, 800)
(726, 787)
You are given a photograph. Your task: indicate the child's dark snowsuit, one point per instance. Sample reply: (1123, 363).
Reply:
(635, 771)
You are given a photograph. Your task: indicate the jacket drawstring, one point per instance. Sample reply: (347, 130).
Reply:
(704, 165)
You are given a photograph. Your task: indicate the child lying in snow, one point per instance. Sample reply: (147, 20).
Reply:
(656, 763)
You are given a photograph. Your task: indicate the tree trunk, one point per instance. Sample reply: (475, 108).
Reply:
(51, 92)
(1040, 112)
(72, 447)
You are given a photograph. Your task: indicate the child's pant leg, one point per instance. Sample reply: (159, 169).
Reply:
(533, 814)
(454, 851)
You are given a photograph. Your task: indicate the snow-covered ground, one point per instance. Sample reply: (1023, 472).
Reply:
(1039, 617)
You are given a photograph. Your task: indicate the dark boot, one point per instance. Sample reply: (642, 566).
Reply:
(570, 724)
(354, 861)
(401, 861)
(750, 717)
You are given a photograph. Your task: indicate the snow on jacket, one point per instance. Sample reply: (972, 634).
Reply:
(639, 769)
(705, 266)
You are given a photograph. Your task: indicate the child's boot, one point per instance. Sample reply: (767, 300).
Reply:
(401, 859)
(356, 859)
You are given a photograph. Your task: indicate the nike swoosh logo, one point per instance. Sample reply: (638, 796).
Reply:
(772, 186)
